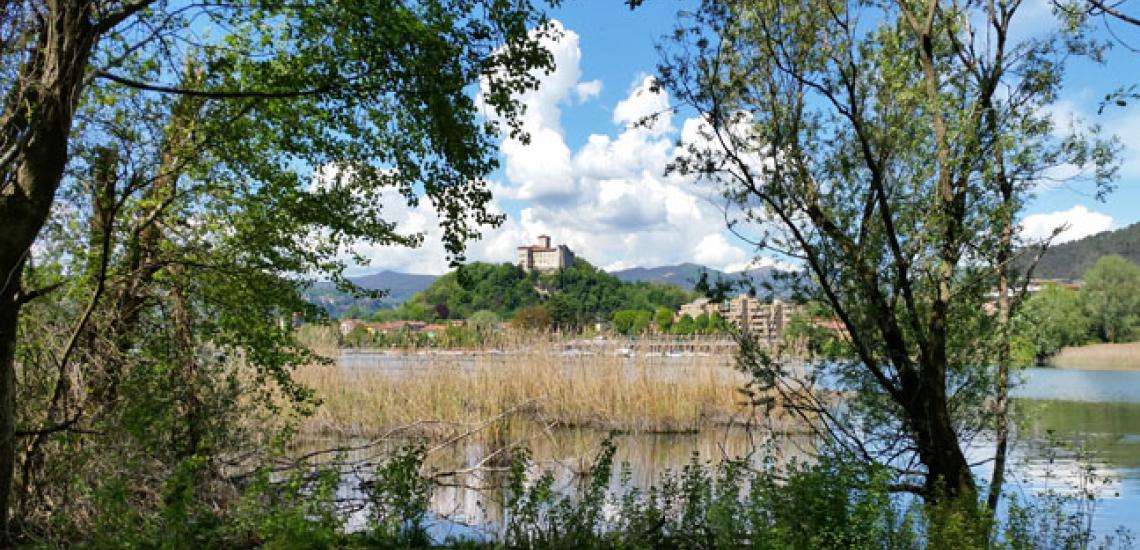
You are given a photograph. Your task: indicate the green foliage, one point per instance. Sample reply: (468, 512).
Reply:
(483, 320)
(574, 297)
(400, 498)
(1111, 294)
(1053, 318)
(196, 221)
(632, 322)
(685, 326)
(663, 320)
(894, 168)
(828, 503)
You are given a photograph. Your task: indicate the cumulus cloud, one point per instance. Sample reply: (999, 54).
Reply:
(586, 91)
(1078, 222)
(646, 106)
(609, 200)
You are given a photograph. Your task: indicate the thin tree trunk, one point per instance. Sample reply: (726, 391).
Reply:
(1004, 256)
(9, 320)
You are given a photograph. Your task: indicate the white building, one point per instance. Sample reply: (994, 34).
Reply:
(543, 257)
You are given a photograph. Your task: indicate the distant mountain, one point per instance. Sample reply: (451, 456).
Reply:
(395, 282)
(1070, 260)
(687, 274)
(683, 275)
(400, 287)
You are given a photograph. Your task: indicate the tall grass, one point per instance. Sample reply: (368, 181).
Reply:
(447, 393)
(1099, 357)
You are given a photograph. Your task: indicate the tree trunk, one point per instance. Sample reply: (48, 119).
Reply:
(9, 319)
(948, 473)
(1004, 257)
(37, 120)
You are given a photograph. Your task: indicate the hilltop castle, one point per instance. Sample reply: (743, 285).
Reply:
(543, 257)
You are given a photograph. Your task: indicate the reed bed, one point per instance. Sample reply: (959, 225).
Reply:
(1099, 357)
(446, 393)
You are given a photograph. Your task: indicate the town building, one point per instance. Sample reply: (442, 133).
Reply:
(764, 321)
(543, 257)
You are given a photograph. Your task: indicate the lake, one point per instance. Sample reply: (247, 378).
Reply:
(1068, 418)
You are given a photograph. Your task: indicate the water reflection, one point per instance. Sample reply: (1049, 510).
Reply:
(1069, 421)
(469, 500)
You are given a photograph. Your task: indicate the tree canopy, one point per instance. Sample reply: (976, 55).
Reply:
(888, 146)
(573, 297)
(184, 170)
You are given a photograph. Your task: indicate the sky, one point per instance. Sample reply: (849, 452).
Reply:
(592, 180)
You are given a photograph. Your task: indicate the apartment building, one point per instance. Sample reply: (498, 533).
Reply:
(764, 321)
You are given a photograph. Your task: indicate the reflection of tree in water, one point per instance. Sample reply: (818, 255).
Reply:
(1103, 428)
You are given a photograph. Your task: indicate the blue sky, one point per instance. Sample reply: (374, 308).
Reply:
(591, 181)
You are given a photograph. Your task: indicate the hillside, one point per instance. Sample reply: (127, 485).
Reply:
(400, 287)
(656, 285)
(1070, 260)
(578, 295)
(402, 284)
(682, 275)
(687, 274)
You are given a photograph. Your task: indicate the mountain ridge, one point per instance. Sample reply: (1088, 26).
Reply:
(400, 286)
(1071, 259)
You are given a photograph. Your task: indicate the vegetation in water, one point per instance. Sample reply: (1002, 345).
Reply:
(828, 503)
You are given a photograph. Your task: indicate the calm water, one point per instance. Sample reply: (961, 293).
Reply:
(1062, 411)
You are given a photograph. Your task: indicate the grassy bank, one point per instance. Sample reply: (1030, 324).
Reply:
(449, 393)
(1099, 357)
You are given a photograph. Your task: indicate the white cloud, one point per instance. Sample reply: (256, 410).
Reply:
(609, 200)
(714, 249)
(645, 106)
(1078, 221)
(586, 91)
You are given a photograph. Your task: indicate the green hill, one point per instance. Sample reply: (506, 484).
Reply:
(1070, 260)
(575, 296)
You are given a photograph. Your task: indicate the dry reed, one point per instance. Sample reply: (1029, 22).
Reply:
(1099, 357)
(446, 392)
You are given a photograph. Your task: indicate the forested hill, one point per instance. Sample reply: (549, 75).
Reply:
(764, 279)
(576, 295)
(1070, 260)
(398, 288)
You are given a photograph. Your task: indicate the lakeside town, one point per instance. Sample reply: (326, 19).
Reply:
(765, 321)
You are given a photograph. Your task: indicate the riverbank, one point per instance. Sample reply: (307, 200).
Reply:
(1099, 357)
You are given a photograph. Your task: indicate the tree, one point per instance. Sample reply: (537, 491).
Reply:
(1111, 293)
(632, 321)
(642, 320)
(717, 324)
(701, 324)
(533, 318)
(483, 321)
(1054, 317)
(664, 320)
(864, 139)
(206, 150)
(684, 326)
